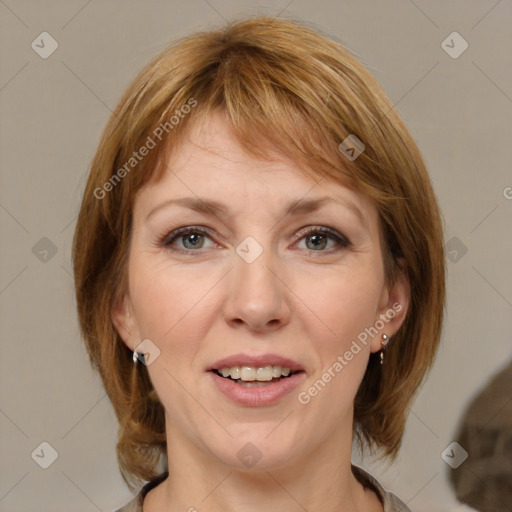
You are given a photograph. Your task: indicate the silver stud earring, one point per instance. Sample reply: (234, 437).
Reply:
(384, 346)
(135, 356)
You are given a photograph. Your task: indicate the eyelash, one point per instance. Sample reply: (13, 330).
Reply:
(167, 240)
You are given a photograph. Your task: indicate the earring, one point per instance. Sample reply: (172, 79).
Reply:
(135, 356)
(384, 346)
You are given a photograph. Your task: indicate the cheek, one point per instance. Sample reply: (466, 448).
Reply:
(348, 306)
(170, 306)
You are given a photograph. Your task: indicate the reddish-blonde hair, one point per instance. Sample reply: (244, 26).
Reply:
(283, 86)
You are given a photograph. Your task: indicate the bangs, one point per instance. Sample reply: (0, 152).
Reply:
(274, 108)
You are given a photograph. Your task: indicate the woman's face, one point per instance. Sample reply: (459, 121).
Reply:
(253, 284)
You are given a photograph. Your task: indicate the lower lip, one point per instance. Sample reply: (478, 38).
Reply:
(258, 396)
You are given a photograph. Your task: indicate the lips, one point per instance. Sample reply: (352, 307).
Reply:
(262, 391)
(258, 361)
(261, 394)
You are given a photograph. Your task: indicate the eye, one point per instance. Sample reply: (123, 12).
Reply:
(193, 238)
(319, 237)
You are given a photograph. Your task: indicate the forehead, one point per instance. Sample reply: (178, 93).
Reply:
(210, 162)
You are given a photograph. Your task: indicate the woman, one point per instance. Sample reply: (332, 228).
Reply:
(259, 274)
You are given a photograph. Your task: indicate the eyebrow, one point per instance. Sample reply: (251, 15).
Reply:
(295, 208)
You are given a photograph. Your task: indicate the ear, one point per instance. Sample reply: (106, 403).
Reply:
(124, 321)
(393, 307)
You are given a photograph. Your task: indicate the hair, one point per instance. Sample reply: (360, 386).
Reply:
(281, 86)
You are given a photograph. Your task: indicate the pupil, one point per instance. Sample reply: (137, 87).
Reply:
(194, 237)
(317, 240)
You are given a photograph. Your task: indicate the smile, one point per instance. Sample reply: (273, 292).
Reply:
(255, 393)
(252, 374)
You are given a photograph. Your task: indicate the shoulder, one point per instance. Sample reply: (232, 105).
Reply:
(135, 505)
(390, 502)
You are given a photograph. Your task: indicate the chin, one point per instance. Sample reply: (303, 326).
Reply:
(256, 452)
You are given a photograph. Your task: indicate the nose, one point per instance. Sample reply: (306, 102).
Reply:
(257, 295)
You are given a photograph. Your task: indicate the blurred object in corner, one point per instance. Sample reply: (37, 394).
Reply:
(484, 480)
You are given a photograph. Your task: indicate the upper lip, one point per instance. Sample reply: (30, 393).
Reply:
(258, 361)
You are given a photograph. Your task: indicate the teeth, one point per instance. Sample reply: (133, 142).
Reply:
(248, 373)
(251, 373)
(276, 371)
(264, 374)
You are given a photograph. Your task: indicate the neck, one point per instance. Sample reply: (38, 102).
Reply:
(319, 480)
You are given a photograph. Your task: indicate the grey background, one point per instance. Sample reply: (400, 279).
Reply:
(53, 112)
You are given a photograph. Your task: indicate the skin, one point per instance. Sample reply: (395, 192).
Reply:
(297, 299)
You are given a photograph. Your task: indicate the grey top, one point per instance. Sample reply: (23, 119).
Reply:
(389, 501)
